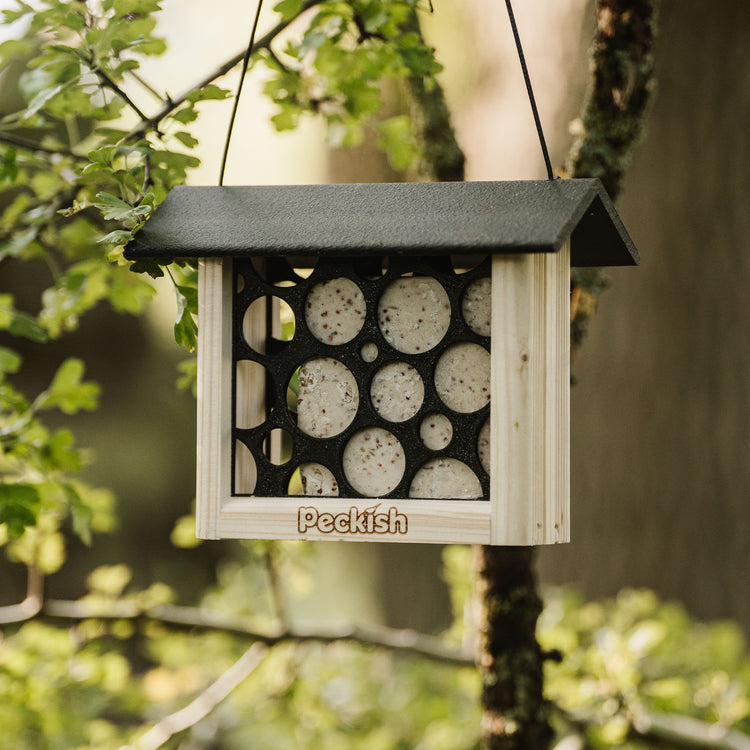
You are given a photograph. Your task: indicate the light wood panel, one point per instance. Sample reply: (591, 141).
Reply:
(424, 521)
(214, 393)
(530, 416)
(530, 443)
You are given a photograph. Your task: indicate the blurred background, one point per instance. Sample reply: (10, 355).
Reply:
(660, 436)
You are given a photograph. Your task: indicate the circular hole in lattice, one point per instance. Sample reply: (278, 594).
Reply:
(436, 431)
(250, 389)
(313, 480)
(397, 392)
(245, 472)
(374, 462)
(369, 351)
(483, 445)
(476, 306)
(371, 268)
(445, 478)
(465, 263)
(335, 311)
(259, 265)
(327, 399)
(414, 314)
(259, 313)
(302, 266)
(462, 377)
(240, 282)
(292, 392)
(277, 446)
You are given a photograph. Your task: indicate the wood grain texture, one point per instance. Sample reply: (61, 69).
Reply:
(530, 443)
(214, 393)
(424, 521)
(530, 448)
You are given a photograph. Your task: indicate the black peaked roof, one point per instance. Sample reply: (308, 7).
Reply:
(429, 218)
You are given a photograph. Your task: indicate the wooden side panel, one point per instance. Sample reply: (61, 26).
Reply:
(360, 519)
(214, 393)
(530, 380)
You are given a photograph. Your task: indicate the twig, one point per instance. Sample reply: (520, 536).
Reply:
(681, 731)
(198, 709)
(151, 123)
(29, 145)
(31, 605)
(112, 86)
(274, 586)
(691, 733)
(202, 619)
(151, 90)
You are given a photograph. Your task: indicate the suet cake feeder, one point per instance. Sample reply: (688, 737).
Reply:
(386, 362)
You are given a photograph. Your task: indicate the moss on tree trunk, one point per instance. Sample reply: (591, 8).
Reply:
(511, 661)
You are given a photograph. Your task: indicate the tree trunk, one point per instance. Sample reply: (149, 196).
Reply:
(511, 662)
(510, 659)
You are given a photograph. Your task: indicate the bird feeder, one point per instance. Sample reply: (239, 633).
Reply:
(386, 362)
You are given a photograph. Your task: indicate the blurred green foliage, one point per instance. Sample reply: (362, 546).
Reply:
(82, 166)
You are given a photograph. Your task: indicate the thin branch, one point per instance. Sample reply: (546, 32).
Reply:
(206, 702)
(203, 619)
(29, 145)
(274, 585)
(31, 605)
(687, 732)
(114, 87)
(678, 730)
(163, 100)
(264, 42)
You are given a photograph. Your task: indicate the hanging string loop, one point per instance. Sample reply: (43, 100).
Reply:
(521, 58)
(245, 63)
(530, 91)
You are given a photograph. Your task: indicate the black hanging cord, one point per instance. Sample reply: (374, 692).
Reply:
(245, 63)
(532, 101)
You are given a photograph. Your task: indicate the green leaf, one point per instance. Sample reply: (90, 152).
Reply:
(183, 533)
(188, 377)
(126, 7)
(67, 392)
(9, 361)
(312, 41)
(185, 115)
(210, 92)
(186, 139)
(81, 515)
(19, 507)
(21, 243)
(288, 9)
(185, 328)
(18, 323)
(118, 237)
(27, 327)
(149, 266)
(114, 208)
(397, 140)
(42, 98)
(109, 580)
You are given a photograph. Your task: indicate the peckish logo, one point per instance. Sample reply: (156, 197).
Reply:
(352, 521)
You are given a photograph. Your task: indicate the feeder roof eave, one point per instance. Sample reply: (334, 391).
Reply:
(433, 218)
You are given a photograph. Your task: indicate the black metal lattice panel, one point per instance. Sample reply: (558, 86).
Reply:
(282, 359)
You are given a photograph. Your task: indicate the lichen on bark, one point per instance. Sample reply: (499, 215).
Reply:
(621, 89)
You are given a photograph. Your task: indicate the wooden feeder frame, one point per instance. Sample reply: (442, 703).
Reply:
(533, 232)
